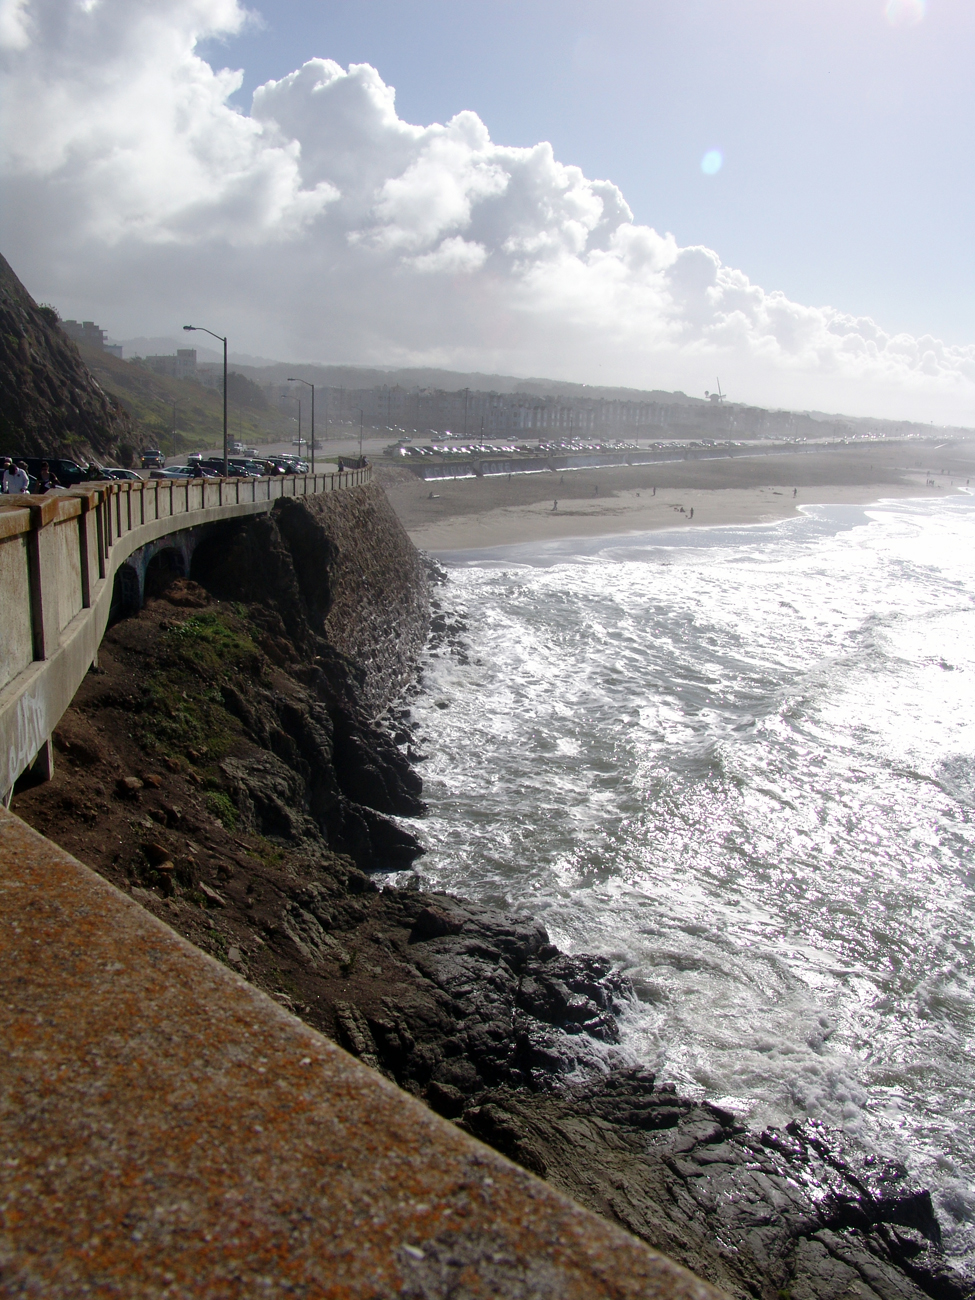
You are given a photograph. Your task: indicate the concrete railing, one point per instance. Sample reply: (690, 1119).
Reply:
(169, 1131)
(58, 558)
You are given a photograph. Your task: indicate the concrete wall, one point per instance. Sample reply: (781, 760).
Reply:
(58, 558)
(170, 1132)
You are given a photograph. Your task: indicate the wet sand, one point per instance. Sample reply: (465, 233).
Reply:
(460, 514)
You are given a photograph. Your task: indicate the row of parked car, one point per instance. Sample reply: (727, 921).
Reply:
(68, 473)
(198, 466)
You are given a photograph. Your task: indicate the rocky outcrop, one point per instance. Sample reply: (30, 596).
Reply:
(786, 1213)
(49, 403)
(336, 581)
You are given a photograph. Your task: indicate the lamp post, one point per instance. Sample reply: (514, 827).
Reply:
(223, 340)
(175, 404)
(312, 387)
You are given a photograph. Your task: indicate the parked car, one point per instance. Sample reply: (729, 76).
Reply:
(123, 475)
(153, 459)
(185, 471)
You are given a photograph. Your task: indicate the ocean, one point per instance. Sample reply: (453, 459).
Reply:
(740, 761)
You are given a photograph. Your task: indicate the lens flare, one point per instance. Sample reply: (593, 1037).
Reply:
(905, 13)
(712, 162)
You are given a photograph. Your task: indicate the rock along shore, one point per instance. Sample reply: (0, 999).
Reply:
(225, 766)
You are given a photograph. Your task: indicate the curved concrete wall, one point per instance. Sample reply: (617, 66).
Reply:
(58, 558)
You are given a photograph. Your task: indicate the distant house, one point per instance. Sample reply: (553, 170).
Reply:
(182, 365)
(91, 335)
(86, 332)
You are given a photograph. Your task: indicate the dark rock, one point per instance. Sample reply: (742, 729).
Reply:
(433, 923)
(797, 1213)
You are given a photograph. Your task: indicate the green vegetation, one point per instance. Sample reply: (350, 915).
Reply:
(220, 805)
(149, 398)
(184, 714)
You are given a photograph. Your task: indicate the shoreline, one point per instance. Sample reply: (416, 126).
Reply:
(475, 514)
(621, 516)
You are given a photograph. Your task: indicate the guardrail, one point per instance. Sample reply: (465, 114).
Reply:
(58, 557)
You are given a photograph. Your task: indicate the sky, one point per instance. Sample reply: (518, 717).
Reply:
(779, 192)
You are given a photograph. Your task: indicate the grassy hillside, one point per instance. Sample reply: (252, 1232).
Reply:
(149, 398)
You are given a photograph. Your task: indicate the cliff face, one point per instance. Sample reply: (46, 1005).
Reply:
(339, 575)
(49, 403)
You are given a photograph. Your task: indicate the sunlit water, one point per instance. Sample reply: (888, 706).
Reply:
(742, 762)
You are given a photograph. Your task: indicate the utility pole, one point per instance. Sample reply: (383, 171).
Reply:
(360, 438)
(175, 404)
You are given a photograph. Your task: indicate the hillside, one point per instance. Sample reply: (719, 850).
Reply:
(49, 402)
(148, 398)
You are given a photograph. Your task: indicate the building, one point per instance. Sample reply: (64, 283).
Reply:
(182, 365)
(90, 335)
(86, 332)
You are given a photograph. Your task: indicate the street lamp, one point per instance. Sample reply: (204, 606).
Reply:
(222, 338)
(312, 387)
(175, 404)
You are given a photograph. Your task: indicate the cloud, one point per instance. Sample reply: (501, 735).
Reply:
(322, 226)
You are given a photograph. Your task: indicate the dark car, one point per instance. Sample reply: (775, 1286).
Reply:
(153, 459)
(67, 473)
(233, 470)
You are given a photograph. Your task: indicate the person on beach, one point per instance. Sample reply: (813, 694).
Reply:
(555, 505)
(654, 493)
(691, 515)
(794, 491)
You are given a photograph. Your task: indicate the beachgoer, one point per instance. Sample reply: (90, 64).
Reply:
(654, 491)
(691, 516)
(794, 491)
(555, 505)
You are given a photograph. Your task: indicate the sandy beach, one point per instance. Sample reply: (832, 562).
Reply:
(460, 514)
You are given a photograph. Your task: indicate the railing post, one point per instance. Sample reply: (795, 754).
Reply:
(84, 547)
(43, 559)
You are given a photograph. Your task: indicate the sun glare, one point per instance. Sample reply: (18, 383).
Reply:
(712, 162)
(905, 13)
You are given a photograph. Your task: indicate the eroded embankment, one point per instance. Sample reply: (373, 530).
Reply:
(226, 767)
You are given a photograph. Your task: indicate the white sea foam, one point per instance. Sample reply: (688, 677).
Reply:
(742, 763)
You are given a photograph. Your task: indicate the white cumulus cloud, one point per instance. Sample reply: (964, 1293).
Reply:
(321, 226)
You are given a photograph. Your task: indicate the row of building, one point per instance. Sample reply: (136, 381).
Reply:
(178, 365)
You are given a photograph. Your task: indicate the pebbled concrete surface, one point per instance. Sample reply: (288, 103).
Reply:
(168, 1130)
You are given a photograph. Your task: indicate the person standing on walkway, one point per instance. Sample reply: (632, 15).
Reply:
(46, 479)
(15, 478)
